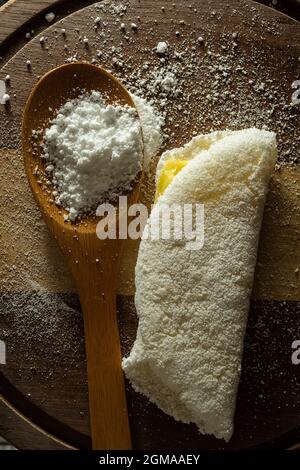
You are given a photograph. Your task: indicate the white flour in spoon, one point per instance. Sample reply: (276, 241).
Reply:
(94, 150)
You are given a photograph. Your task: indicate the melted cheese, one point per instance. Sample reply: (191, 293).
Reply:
(170, 169)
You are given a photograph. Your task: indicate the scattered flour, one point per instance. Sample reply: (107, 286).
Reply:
(152, 123)
(2, 91)
(6, 98)
(162, 84)
(93, 150)
(49, 17)
(162, 48)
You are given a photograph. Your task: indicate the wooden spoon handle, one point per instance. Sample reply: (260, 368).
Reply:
(108, 408)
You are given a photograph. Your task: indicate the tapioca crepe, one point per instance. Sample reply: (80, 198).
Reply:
(193, 304)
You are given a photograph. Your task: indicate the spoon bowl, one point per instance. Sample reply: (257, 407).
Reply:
(94, 263)
(49, 94)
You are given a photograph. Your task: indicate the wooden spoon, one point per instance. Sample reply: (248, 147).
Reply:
(94, 263)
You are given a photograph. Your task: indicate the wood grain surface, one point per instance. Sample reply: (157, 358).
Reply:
(12, 420)
(18, 13)
(15, 14)
(45, 377)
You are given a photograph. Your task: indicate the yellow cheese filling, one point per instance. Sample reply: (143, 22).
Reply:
(170, 169)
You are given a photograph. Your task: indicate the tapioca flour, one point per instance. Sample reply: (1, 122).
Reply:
(94, 150)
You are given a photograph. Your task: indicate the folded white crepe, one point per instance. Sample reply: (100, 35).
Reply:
(193, 304)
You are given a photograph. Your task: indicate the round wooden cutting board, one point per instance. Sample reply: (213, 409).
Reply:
(253, 53)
